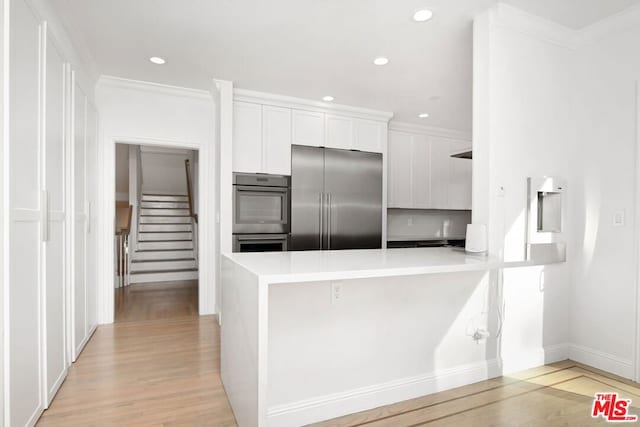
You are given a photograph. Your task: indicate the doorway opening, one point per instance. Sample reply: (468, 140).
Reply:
(155, 241)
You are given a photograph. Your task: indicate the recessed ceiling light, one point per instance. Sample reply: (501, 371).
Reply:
(381, 60)
(423, 115)
(157, 60)
(422, 15)
(327, 98)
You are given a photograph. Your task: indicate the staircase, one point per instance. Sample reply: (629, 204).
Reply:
(165, 250)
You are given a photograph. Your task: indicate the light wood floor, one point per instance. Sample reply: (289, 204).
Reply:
(160, 366)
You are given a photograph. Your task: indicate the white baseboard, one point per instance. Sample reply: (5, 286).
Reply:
(84, 343)
(338, 404)
(521, 361)
(601, 360)
(56, 386)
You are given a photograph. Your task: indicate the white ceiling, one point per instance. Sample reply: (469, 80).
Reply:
(308, 48)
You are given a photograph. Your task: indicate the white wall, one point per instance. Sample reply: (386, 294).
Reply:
(603, 296)
(163, 170)
(122, 172)
(522, 127)
(159, 116)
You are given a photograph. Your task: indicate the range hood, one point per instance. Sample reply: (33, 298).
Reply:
(464, 154)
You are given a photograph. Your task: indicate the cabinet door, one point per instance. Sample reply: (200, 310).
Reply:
(421, 171)
(24, 251)
(399, 182)
(369, 136)
(439, 172)
(459, 179)
(247, 137)
(339, 131)
(308, 128)
(54, 248)
(79, 219)
(276, 140)
(91, 158)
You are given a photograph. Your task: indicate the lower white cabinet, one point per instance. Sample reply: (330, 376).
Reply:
(423, 175)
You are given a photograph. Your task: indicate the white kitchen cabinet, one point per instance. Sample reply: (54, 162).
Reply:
(420, 172)
(460, 179)
(247, 137)
(399, 185)
(422, 175)
(369, 135)
(276, 140)
(339, 132)
(439, 173)
(308, 128)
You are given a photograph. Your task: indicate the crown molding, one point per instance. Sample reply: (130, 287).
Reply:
(514, 19)
(430, 131)
(245, 95)
(122, 83)
(621, 21)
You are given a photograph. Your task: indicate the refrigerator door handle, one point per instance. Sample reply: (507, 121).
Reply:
(321, 206)
(329, 221)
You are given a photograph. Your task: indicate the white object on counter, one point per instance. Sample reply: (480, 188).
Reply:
(476, 242)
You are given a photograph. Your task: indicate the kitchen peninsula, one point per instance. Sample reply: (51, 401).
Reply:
(309, 336)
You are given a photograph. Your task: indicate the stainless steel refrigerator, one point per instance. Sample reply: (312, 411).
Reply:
(336, 199)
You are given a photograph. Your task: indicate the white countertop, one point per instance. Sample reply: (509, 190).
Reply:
(311, 266)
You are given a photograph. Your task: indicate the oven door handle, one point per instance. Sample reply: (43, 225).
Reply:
(256, 189)
(275, 238)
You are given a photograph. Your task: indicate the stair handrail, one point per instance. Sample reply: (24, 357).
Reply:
(187, 168)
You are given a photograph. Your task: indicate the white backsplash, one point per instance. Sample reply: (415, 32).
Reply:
(414, 224)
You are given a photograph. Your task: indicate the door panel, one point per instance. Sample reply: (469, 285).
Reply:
(24, 228)
(276, 140)
(353, 181)
(339, 132)
(439, 163)
(421, 172)
(54, 248)
(91, 277)
(460, 179)
(247, 137)
(400, 179)
(369, 135)
(307, 180)
(79, 237)
(308, 128)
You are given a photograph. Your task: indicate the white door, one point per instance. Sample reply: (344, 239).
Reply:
(276, 140)
(79, 220)
(25, 214)
(54, 232)
(91, 276)
(247, 137)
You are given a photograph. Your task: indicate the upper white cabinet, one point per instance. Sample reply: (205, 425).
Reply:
(263, 134)
(339, 132)
(276, 140)
(369, 135)
(459, 179)
(308, 128)
(261, 139)
(247, 137)
(422, 175)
